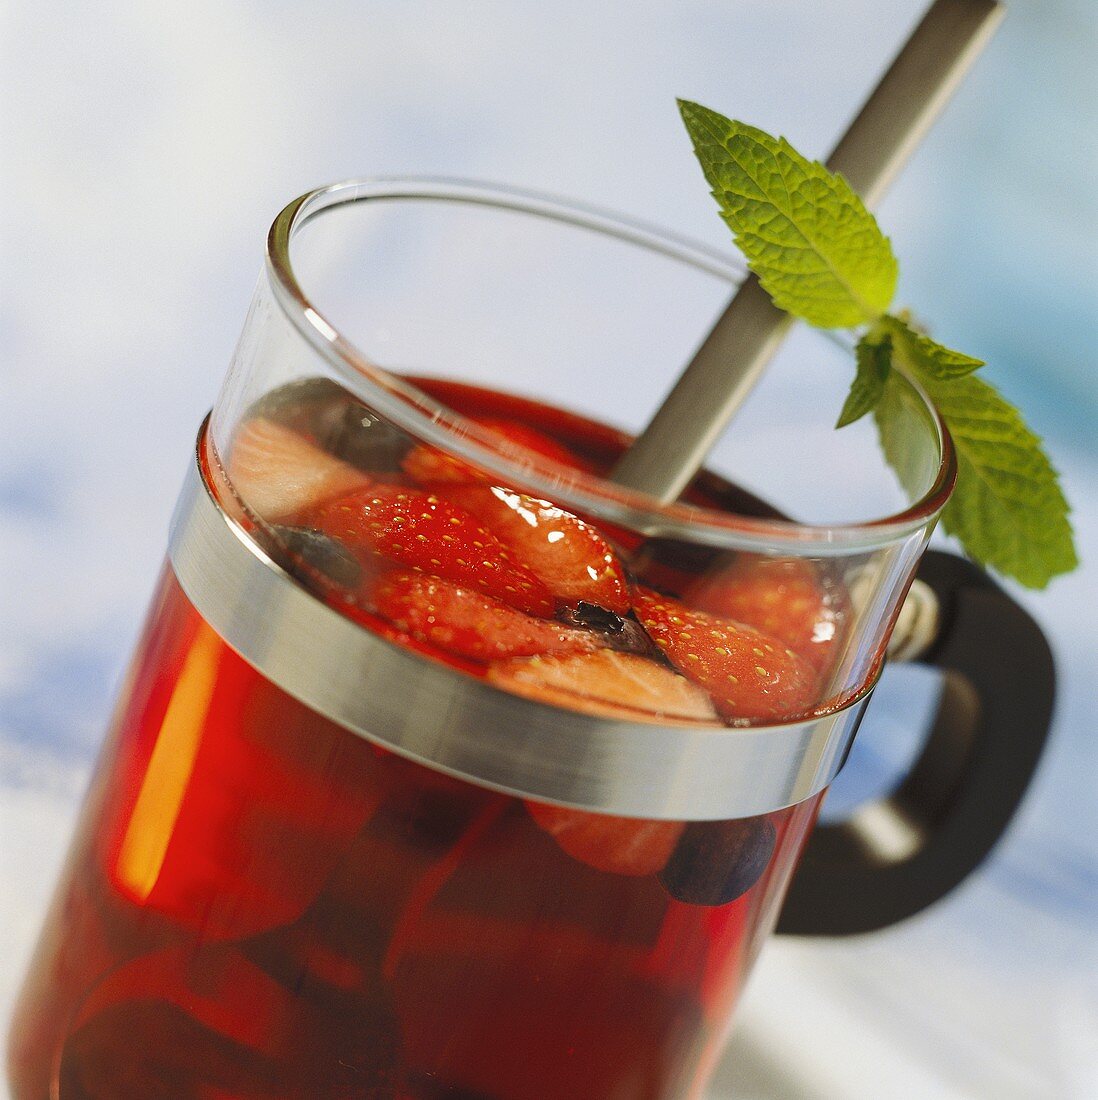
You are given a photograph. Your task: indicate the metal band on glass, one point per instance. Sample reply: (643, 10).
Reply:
(452, 721)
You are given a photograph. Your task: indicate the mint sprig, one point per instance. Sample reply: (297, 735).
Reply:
(821, 256)
(816, 249)
(925, 357)
(874, 358)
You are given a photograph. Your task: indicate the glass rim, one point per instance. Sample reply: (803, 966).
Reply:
(413, 410)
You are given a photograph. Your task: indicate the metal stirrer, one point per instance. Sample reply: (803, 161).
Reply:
(730, 361)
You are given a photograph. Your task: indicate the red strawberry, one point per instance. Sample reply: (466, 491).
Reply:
(277, 472)
(465, 622)
(747, 673)
(780, 596)
(515, 431)
(606, 682)
(428, 464)
(620, 845)
(432, 536)
(570, 556)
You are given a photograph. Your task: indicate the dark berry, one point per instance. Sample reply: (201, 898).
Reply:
(363, 439)
(324, 553)
(596, 618)
(338, 422)
(716, 862)
(619, 632)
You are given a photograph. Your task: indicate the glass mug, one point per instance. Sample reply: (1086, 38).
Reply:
(445, 766)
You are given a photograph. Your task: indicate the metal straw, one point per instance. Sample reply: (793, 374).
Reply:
(730, 361)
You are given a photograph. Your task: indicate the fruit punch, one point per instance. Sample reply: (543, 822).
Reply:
(263, 903)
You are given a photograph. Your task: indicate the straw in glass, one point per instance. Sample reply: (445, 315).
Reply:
(731, 359)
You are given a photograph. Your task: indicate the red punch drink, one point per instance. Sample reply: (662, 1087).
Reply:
(443, 768)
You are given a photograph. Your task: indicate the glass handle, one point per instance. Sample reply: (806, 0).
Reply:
(895, 856)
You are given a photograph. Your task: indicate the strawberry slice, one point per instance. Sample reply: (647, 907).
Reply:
(465, 622)
(431, 535)
(747, 673)
(428, 464)
(783, 597)
(570, 556)
(608, 683)
(278, 472)
(515, 431)
(620, 845)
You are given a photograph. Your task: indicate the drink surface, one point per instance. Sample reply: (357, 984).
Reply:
(263, 904)
(425, 549)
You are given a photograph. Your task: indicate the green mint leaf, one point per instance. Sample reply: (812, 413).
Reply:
(821, 256)
(1007, 510)
(925, 358)
(807, 236)
(874, 355)
(901, 419)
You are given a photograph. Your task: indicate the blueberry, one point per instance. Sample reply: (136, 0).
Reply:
(593, 617)
(633, 638)
(624, 634)
(716, 862)
(324, 553)
(306, 405)
(363, 439)
(338, 421)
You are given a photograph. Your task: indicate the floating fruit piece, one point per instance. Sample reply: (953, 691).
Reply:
(570, 556)
(338, 422)
(278, 473)
(320, 552)
(606, 682)
(429, 534)
(363, 439)
(514, 431)
(783, 597)
(468, 623)
(429, 464)
(621, 632)
(716, 862)
(620, 845)
(747, 674)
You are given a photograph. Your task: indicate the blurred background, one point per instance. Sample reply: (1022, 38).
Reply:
(144, 150)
